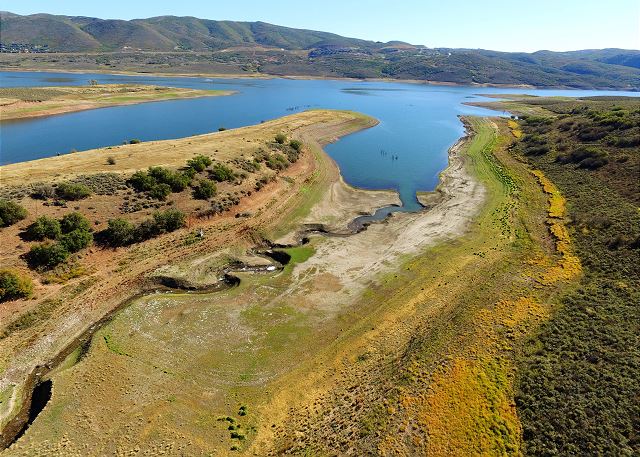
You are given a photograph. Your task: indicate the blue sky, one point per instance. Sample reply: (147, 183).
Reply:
(506, 25)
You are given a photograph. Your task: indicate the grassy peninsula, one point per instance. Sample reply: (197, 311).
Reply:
(26, 102)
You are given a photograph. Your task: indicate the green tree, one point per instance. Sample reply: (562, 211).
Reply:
(221, 172)
(14, 285)
(72, 192)
(204, 190)
(10, 213)
(47, 255)
(199, 163)
(44, 227)
(160, 191)
(119, 232)
(76, 240)
(74, 221)
(169, 220)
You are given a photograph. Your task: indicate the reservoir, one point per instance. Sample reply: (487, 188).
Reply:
(405, 152)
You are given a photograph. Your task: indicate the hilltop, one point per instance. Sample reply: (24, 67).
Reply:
(190, 45)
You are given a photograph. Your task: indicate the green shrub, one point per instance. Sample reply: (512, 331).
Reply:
(71, 191)
(169, 220)
(10, 213)
(146, 230)
(176, 180)
(74, 221)
(142, 181)
(14, 285)
(221, 172)
(204, 190)
(76, 240)
(44, 227)
(277, 162)
(160, 191)
(281, 138)
(111, 160)
(135, 141)
(119, 232)
(295, 144)
(199, 163)
(47, 255)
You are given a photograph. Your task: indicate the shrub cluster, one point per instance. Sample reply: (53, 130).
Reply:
(221, 172)
(71, 234)
(204, 190)
(121, 232)
(159, 182)
(199, 163)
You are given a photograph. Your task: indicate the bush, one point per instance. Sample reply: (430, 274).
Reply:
(199, 163)
(76, 240)
(71, 191)
(277, 162)
(177, 181)
(160, 191)
(281, 138)
(10, 213)
(74, 221)
(44, 227)
(146, 230)
(47, 255)
(142, 181)
(14, 285)
(296, 145)
(134, 141)
(43, 192)
(119, 232)
(169, 220)
(221, 172)
(204, 190)
(111, 160)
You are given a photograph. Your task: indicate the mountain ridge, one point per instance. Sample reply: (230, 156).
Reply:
(259, 47)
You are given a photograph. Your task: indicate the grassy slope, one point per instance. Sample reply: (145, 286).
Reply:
(113, 274)
(429, 368)
(19, 103)
(578, 390)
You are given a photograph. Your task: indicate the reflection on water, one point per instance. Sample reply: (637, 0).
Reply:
(405, 152)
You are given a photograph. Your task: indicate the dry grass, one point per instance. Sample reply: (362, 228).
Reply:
(25, 102)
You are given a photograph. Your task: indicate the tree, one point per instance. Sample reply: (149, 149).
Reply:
(120, 232)
(142, 181)
(160, 191)
(71, 191)
(76, 240)
(14, 285)
(10, 213)
(44, 227)
(204, 190)
(74, 221)
(281, 138)
(221, 172)
(199, 163)
(47, 255)
(169, 220)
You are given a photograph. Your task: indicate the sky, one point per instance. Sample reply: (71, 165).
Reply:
(504, 25)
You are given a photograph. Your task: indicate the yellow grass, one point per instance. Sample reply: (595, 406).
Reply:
(22, 102)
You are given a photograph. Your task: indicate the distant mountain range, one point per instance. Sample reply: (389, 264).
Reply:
(271, 49)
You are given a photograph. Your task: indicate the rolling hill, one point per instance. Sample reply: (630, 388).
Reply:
(193, 45)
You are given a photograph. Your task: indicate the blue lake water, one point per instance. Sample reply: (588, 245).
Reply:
(405, 152)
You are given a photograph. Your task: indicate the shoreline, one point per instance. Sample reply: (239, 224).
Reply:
(293, 77)
(75, 106)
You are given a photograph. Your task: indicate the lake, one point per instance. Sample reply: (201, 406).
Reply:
(405, 152)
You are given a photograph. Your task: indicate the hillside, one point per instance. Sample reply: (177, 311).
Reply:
(190, 45)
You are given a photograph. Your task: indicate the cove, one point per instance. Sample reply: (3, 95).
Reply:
(405, 152)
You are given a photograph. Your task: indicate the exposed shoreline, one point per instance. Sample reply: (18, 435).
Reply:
(16, 109)
(269, 76)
